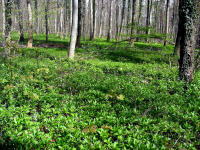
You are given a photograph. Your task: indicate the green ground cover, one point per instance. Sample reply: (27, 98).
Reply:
(109, 97)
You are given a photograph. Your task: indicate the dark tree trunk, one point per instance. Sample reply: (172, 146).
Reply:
(187, 32)
(8, 18)
(20, 19)
(167, 22)
(148, 18)
(133, 22)
(3, 18)
(78, 43)
(139, 17)
(110, 22)
(198, 36)
(178, 40)
(46, 19)
(122, 16)
(36, 17)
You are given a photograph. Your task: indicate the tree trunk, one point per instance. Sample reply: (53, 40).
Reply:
(20, 20)
(139, 17)
(133, 22)
(74, 29)
(8, 18)
(3, 18)
(122, 17)
(101, 18)
(78, 43)
(61, 22)
(178, 40)
(148, 18)
(187, 31)
(110, 22)
(46, 19)
(167, 22)
(30, 26)
(36, 17)
(128, 16)
(94, 19)
(85, 6)
(198, 36)
(117, 21)
(91, 20)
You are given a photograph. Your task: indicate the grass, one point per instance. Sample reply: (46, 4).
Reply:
(107, 98)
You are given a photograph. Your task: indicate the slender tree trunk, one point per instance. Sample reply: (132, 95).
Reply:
(85, 20)
(61, 22)
(148, 18)
(46, 19)
(110, 22)
(133, 22)
(94, 20)
(71, 14)
(74, 29)
(78, 43)
(3, 18)
(101, 19)
(91, 20)
(178, 40)
(30, 26)
(8, 18)
(20, 20)
(117, 21)
(167, 22)
(122, 16)
(128, 16)
(187, 31)
(139, 17)
(36, 17)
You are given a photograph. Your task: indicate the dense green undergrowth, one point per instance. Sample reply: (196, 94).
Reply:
(109, 97)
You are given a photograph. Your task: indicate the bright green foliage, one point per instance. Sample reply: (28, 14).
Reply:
(108, 98)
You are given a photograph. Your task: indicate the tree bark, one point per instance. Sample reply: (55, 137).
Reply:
(122, 16)
(101, 19)
(133, 22)
(148, 18)
(30, 26)
(187, 31)
(20, 20)
(74, 29)
(139, 16)
(3, 18)
(167, 22)
(117, 21)
(46, 19)
(110, 22)
(36, 17)
(8, 18)
(178, 40)
(78, 43)
(91, 20)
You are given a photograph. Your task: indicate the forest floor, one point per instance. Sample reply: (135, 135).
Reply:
(109, 97)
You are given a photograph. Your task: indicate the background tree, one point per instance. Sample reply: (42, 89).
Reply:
(8, 18)
(20, 20)
(46, 19)
(167, 22)
(110, 22)
(3, 18)
(30, 26)
(78, 43)
(133, 22)
(74, 29)
(187, 12)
